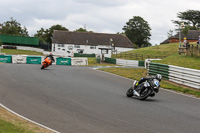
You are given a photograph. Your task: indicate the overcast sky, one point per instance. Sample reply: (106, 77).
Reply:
(101, 16)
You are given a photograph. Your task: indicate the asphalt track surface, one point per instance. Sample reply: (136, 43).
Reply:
(78, 99)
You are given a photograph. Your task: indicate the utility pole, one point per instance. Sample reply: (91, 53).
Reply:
(181, 25)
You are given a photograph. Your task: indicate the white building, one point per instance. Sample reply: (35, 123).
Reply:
(67, 43)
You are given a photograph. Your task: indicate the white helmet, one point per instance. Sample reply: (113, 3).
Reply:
(158, 77)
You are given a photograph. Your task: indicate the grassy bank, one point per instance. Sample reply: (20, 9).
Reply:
(10, 123)
(17, 52)
(138, 73)
(171, 51)
(182, 61)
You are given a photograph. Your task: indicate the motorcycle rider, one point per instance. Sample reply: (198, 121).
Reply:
(51, 57)
(158, 77)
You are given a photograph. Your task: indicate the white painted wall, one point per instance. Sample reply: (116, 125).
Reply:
(70, 49)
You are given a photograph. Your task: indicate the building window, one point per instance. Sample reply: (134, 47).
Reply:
(92, 47)
(61, 45)
(77, 46)
(63, 49)
(58, 48)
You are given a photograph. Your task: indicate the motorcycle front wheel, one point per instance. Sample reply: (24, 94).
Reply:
(42, 66)
(144, 93)
(129, 92)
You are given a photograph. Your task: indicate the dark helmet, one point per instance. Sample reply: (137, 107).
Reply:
(51, 54)
(158, 77)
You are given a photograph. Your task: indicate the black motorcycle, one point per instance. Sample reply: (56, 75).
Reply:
(145, 89)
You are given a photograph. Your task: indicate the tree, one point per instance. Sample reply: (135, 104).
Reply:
(12, 27)
(191, 18)
(138, 31)
(46, 35)
(170, 33)
(81, 30)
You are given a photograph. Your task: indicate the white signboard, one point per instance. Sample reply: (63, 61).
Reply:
(19, 58)
(79, 61)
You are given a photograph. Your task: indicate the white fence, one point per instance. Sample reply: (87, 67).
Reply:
(127, 62)
(180, 75)
(185, 76)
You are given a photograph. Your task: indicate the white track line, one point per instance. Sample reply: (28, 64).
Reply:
(179, 93)
(1, 105)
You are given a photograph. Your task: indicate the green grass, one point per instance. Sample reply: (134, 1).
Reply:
(171, 51)
(138, 73)
(152, 52)
(10, 123)
(164, 50)
(8, 127)
(17, 52)
(182, 61)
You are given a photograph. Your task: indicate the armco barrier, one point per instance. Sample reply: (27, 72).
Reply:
(123, 62)
(34, 60)
(6, 58)
(110, 60)
(84, 55)
(127, 62)
(156, 68)
(185, 76)
(181, 75)
(63, 61)
(141, 63)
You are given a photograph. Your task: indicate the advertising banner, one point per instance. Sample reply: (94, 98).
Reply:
(33, 59)
(21, 59)
(79, 61)
(63, 61)
(6, 58)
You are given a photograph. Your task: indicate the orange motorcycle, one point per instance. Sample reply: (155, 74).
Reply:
(46, 63)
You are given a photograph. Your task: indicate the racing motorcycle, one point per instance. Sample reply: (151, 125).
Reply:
(145, 89)
(46, 63)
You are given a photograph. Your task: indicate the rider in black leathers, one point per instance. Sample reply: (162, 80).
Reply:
(158, 77)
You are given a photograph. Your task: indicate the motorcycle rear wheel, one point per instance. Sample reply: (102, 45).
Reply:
(129, 92)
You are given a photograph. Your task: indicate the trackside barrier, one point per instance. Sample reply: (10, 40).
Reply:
(84, 55)
(181, 75)
(123, 62)
(110, 60)
(63, 61)
(156, 68)
(19, 59)
(185, 76)
(6, 58)
(141, 63)
(79, 61)
(34, 60)
(127, 62)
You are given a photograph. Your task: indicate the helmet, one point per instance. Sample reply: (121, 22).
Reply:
(185, 38)
(158, 77)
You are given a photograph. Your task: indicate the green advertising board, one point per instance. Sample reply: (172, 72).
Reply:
(33, 59)
(6, 58)
(63, 61)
